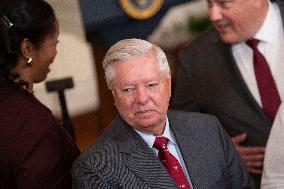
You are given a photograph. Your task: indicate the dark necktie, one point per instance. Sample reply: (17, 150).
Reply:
(171, 163)
(267, 88)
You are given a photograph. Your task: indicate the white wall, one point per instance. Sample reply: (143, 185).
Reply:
(74, 59)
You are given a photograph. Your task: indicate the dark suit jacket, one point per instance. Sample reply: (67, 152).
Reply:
(208, 80)
(121, 159)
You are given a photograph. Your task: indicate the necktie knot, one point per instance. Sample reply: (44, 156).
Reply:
(252, 43)
(161, 143)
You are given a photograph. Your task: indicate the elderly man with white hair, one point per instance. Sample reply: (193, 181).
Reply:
(149, 146)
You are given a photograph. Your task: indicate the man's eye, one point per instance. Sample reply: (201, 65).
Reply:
(225, 3)
(151, 85)
(209, 2)
(127, 90)
(221, 3)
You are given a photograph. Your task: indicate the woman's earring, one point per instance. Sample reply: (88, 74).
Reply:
(30, 62)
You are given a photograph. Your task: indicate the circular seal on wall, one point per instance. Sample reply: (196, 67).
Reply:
(141, 9)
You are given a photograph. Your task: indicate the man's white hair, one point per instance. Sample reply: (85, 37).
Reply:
(131, 48)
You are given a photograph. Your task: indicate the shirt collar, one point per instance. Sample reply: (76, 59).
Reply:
(268, 29)
(150, 138)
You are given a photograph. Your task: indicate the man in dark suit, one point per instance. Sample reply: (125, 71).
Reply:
(216, 72)
(194, 150)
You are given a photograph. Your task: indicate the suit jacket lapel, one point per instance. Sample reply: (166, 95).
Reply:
(230, 69)
(241, 87)
(281, 7)
(141, 160)
(185, 140)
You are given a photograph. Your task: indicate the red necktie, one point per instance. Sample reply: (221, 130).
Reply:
(267, 88)
(170, 162)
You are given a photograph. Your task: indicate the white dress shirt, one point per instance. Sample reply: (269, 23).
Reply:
(271, 46)
(273, 171)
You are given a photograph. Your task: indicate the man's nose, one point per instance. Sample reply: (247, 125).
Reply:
(142, 95)
(214, 12)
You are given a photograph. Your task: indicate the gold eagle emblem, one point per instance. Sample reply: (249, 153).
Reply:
(141, 9)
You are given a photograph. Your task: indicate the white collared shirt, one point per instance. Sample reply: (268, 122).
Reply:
(271, 46)
(172, 146)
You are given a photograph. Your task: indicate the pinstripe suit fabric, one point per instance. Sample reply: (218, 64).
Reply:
(121, 159)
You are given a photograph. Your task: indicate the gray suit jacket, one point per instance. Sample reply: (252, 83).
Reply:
(121, 159)
(208, 80)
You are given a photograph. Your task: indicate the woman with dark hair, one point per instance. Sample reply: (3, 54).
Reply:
(35, 152)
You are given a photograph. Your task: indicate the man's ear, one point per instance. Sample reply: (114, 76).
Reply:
(113, 95)
(27, 48)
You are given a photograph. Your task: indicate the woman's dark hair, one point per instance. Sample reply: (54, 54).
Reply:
(20, 19)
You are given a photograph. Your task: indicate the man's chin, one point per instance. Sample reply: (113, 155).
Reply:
(149, 128)
(228, 39)
(146, 122)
